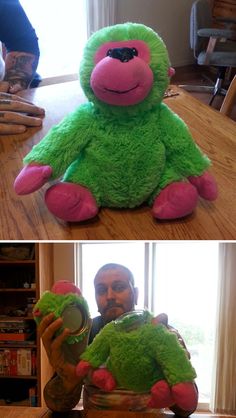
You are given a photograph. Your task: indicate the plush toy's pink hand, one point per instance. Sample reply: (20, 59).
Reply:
(31, 178)
(185, 395)
(83, 368)
(161, 395)
(104, 380)
(205, 185)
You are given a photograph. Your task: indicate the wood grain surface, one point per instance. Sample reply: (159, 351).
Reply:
(27, 217)
(27, 412)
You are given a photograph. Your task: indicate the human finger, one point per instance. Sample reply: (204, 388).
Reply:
(18, 118)
(57, 342)
(48, 335)
(19, 106)
(11, 129)
(4, 86)
(8, 96)
(45, 322)
(49, 332)
(15, 88)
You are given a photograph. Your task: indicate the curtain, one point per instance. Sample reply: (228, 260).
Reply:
(224, 380)
(100, 13)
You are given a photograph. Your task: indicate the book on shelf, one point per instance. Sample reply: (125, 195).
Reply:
(15, 330)
(17, 362)
(20, 336)
(13, 324)
(23, 343)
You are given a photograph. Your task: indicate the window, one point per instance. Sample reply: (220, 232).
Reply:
(179, 278)
(185, 287)
(92, 256)
(61, 28)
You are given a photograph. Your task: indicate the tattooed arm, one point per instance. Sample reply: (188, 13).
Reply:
(21, 45)
(59, 397)
(20, 68)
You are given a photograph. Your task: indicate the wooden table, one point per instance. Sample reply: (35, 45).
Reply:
(27, 412)
(27, 218)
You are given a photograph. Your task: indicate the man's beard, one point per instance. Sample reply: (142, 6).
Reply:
(107, 311)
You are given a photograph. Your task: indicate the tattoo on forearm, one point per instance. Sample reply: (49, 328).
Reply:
(20, 68)
(57, 399)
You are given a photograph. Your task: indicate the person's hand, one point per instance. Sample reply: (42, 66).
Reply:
(62, 356)
(16, 114)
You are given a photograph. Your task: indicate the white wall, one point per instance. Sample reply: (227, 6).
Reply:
(170, 18)
(63, 258)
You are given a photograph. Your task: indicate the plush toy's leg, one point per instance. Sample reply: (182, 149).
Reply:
(71, 202)
(206, 185)
(104, 380)
(161, 395)
(185, 395)
(175, 201)
(82, 368)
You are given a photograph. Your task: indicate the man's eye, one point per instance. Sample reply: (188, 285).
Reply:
(101, 290)
(119, 287)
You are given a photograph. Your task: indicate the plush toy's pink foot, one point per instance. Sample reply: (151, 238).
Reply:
(161, 395)
(206, 186)
(71, 202)
(175, 201)
(31, 178)
(104, 380)
(82, 368)
(185, 396)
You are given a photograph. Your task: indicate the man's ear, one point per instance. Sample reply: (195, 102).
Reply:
(135, 295)
(160, 319)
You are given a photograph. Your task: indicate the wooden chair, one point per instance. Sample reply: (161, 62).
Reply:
(230, 99)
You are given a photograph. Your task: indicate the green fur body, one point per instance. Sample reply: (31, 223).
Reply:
(123, 155)
(56, 303)
(141, 357)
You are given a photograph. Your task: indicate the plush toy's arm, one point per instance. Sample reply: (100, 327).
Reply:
(179, 388)
(172, 357)
(97, 352)
(59, 148)
(181, 150)
(94, 356)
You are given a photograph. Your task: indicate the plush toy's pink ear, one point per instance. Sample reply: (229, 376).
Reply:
(62, 287)
(171, 72)
(160, 319)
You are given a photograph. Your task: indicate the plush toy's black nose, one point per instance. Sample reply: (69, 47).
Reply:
(122, 54)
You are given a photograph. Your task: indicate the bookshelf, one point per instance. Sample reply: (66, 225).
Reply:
(22, 357)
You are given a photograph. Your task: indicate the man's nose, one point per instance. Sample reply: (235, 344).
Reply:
(122, 54)
(110, 293)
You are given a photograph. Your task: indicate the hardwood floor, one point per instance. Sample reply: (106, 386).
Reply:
(197, 75)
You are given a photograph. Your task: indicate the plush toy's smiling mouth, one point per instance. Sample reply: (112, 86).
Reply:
(121, 91)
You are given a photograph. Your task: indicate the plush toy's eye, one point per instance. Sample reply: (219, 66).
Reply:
(109, 52)
(135, 52)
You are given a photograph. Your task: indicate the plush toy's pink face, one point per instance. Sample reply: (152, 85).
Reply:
(122, 75)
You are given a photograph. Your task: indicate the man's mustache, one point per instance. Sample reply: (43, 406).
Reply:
(111, 305)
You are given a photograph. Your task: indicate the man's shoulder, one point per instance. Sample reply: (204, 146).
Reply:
(97, 325)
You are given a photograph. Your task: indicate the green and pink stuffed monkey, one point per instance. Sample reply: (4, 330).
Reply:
(140, 355)
(135, 352)
(124, 147)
